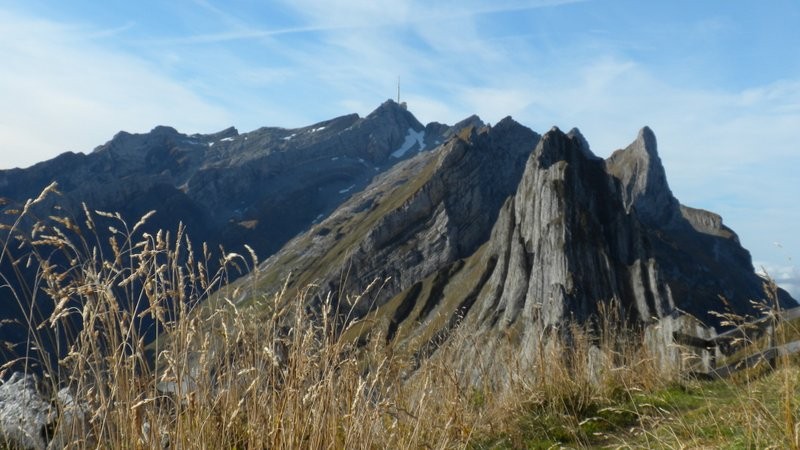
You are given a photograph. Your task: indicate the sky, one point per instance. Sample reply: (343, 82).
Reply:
(717, 80)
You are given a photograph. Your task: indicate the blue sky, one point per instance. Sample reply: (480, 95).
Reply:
(718, 81)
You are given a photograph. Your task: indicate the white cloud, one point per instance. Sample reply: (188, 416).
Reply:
(62, 90)
(733, 150)
(340, 14)
(724, 149)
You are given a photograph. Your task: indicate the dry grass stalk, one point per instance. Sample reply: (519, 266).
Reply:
(219, 379)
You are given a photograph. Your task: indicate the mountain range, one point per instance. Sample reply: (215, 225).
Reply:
(493, 229)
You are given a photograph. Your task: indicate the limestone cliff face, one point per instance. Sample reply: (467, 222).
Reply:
(644, 181)
(423, 215)
(495, 230)
(563, 246)
(578, 232)
(564, 241)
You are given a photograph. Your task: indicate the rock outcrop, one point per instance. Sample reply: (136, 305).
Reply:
(644, 182)
(582, 234)
(30, 420)
(425, 214)
(25, 416)
(496, 230)
(576, 235)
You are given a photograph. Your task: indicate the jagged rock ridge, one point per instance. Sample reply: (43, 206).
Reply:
(424, 214)
(578, 232)
(228, 188)
(497, 229)
(260, 188)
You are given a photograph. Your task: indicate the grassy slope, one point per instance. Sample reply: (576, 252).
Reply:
(308, 258)
(418, 326)
(744, 413)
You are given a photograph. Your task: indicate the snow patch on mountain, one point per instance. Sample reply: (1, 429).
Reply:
(412, 138)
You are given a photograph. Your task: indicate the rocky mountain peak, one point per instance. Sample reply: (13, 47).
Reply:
(647, 139)
(643, 180)
(551, 238)
(504, 123)
(562, 247)
(509, 231)
(556, 146)
(136, 151)
(472, 121)
(164, 130)
(509, 135)
(230, 132)
(576, 135)
(393, 112)
(124, 139)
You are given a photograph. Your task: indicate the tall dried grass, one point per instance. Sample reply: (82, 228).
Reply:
(148, 368)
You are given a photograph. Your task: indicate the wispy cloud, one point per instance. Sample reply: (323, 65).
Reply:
(728, 147)
(377, 13)
(105, 33)
(235, 35)
(70, 94)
